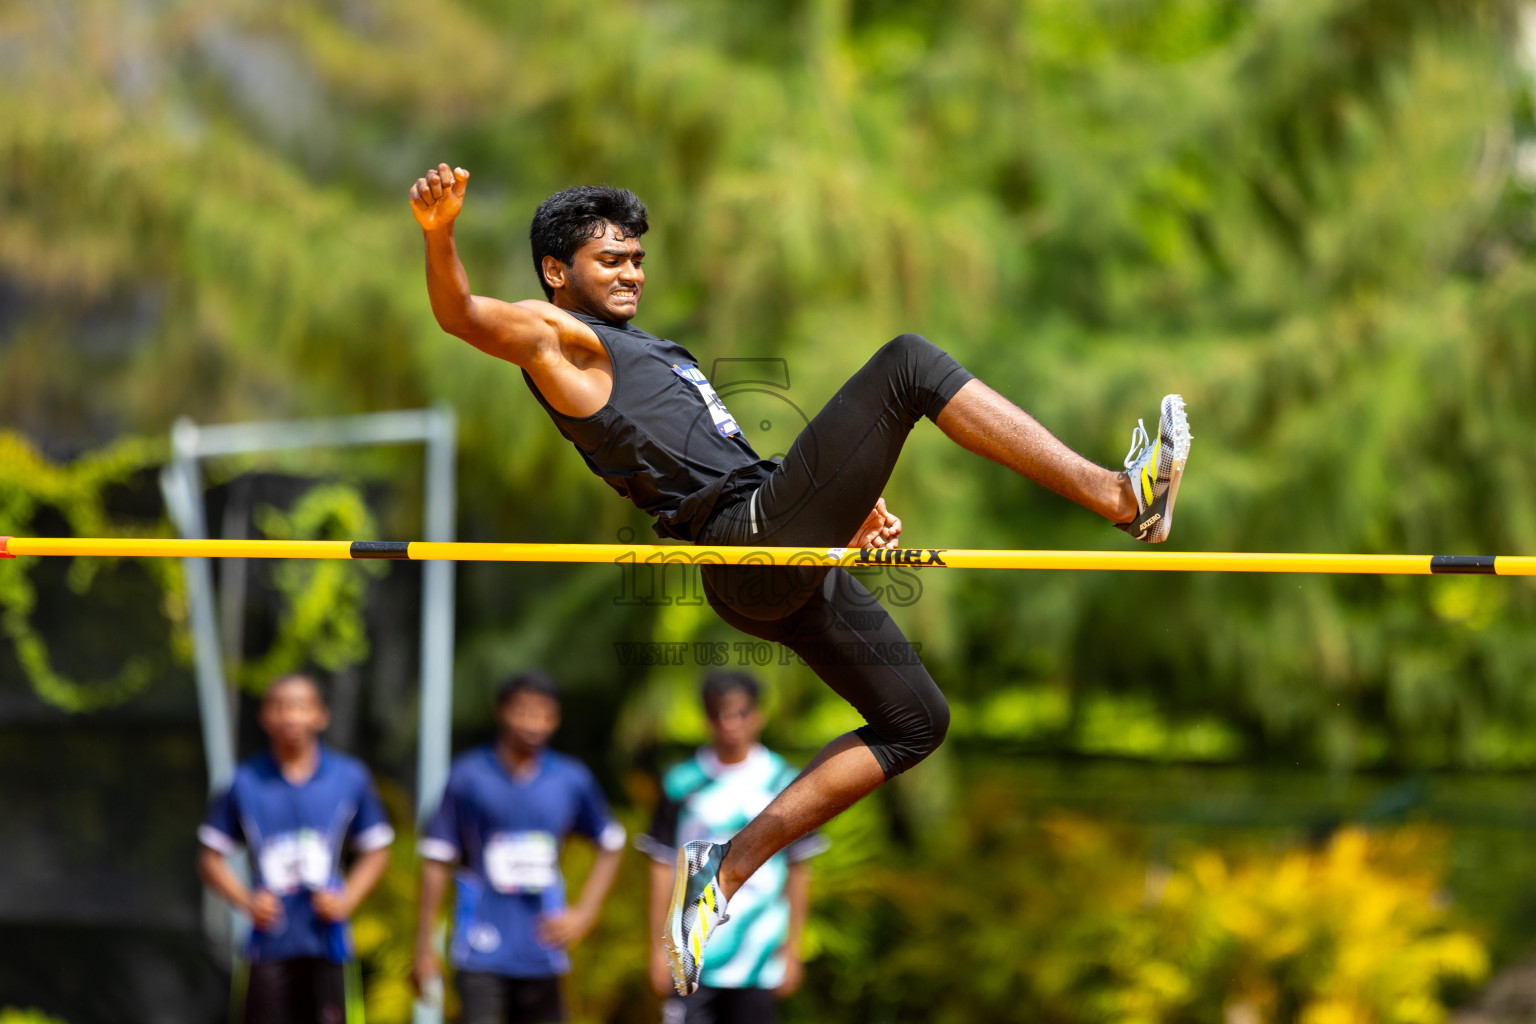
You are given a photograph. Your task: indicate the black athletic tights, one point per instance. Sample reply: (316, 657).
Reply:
(817, 498)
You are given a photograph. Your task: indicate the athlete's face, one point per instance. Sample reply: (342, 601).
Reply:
(604, 279)
(292, 714)
(528, 720)
(734, 723)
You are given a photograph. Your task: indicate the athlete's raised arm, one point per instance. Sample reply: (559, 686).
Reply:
(524, 333)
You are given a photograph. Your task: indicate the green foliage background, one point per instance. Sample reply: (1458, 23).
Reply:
(1307, 217)
(1313, 219)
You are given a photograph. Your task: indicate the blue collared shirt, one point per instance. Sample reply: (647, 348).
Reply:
(505, 833)
(295, 834)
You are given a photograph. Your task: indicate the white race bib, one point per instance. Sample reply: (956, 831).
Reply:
(724, 421)
(296, 860)
(522, 861)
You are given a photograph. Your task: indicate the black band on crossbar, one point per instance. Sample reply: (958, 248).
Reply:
(1479, 565)
(381, 549)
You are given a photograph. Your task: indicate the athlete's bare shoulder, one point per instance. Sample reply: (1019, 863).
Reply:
(563, 338)
(569, 366)
(528, 333)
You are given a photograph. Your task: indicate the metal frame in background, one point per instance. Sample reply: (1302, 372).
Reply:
(181, 483)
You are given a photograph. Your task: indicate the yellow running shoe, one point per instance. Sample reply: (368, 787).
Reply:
(697, 909)
(1154, 468)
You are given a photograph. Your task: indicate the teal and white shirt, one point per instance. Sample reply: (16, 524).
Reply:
(705, 799)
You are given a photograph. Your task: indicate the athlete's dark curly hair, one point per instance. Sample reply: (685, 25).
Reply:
(573, 215)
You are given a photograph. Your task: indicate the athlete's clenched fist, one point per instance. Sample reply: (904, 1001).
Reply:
(437, 198)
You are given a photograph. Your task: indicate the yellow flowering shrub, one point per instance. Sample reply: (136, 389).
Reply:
(1067, 919)
(1353, 931)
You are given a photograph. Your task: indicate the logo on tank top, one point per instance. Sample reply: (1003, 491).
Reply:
(724, 421)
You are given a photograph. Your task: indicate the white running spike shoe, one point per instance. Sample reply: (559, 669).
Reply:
(697, 909)
(1154, 468)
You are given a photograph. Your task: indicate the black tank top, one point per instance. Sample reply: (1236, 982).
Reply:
(664, 440)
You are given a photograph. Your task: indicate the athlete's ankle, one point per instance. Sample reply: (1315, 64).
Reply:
(1125, 508)
(728, 877)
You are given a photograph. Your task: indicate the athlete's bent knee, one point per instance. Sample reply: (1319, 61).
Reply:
(925, 377)
(908, 347)
(900, 748)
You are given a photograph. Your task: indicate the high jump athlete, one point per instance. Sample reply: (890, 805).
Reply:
(645, 419)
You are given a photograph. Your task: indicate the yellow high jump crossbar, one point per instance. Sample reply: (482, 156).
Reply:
(680, 554)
